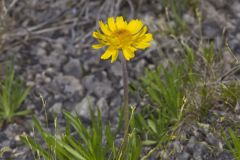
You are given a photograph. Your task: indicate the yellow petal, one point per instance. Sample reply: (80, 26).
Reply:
(98, 35)
(140, 34)
(108, 53)
(143, 42)
(97, 46)
(114, 56)
(142, 45)
(143, 31)
(147, 37)
(134, 26)
(104, 28)
(111, 24)
(128, 53)
(120, 23)
(94, 34)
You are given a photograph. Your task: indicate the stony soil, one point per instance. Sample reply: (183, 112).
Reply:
(50, 43)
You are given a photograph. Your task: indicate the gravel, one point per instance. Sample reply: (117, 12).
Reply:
(60, 65)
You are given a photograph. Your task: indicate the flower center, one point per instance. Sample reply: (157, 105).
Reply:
(121, 38)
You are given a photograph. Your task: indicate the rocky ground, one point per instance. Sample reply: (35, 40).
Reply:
(50, 43)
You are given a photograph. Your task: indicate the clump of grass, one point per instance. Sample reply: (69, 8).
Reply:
(12, 94)
(177, 9)
(184, 91)
(180, 7)
(233, 143)
(231, 94)
(167, 90)
(96, 142)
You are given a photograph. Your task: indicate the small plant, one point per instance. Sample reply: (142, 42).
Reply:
(12, 94)
(176, 9)
(3, 150)
(231, 93)
(165, 90)
(78, 142)
(233, 143)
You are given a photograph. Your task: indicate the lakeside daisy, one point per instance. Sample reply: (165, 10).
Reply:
(122, 36)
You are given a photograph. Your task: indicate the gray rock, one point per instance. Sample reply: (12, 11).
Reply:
(176, 146)
(73, 68)
(210, 29)
(3, 137)
(51, 72)
(204, 127)
(13, 130)
(225, 156)
(69, 85)
(212, 140)
(236, 8)
(82, 108)
(103, 106)
(56, 108)
(13, 144)
(201, 151)
(55, 59)
(183, 156)
(41, 52)
(103, 89)
(219, 3)
(116, 69)
(189, 19)
(90, 63)
(100, 88)
(197, 155)
(140, 66)
(191, 144)
(88, 81)
(234, 44)
(116, 102)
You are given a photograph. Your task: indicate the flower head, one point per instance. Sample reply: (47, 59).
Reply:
(121, 35)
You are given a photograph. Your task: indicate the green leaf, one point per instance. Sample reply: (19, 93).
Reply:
(149, 142)
(152, 125)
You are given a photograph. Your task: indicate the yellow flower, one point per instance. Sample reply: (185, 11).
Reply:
(120, 35)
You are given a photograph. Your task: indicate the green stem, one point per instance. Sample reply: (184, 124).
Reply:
(125, 104)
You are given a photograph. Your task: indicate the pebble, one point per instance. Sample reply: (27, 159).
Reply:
(116, 69)
(139, 68)
(183, 156)
(73, 68)
(55, 59)
(177, 146)
(189, 19)
(103, 106)
(83, 80)
(3, 137)
(225, 155)
(56, 108)
(210, 29)
(191, 144)
(211, 139)
(97, 87)
(69, 85)
(219, 3)
(82, 108)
